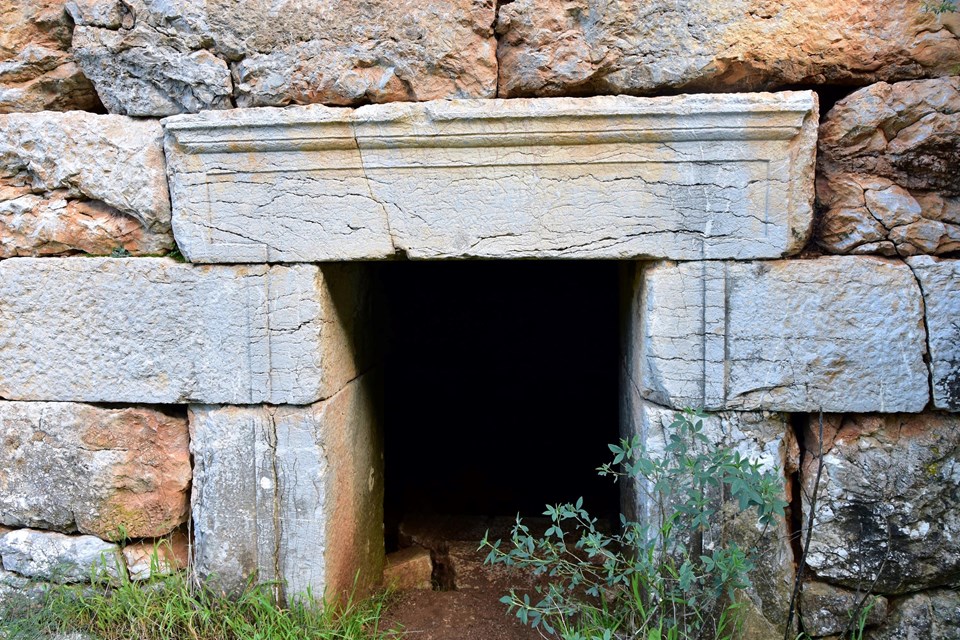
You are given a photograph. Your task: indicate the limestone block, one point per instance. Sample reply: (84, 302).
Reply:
(887, 178)
(151, 330)
(686, 177)
(81, 182)
(148, 558)
(37, 71)
(887, 498)
(148, 57)
(827, 610)
(555, 47)
(940, 283)
(47, 555)
(840, 333)
(762, 437)
(290, 493)
(933, 614)
(112, 473)
(409, 568)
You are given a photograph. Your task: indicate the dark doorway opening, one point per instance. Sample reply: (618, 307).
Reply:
(501, 388)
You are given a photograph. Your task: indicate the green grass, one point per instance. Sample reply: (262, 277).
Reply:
(171, 608)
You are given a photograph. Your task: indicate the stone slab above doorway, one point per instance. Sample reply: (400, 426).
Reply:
(683, 178)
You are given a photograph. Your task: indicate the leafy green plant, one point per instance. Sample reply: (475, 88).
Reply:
(172, 607)
(652, 580)
(939, 6)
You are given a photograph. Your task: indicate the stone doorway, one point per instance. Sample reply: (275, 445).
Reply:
(501, 388)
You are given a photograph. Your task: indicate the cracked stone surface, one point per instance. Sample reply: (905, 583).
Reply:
(611, 177)
(37, 70)
(155, 58)
(151, 330)
(826, 609)
(759, 436)
(933, 614)
(106, 472)
(290, 493)
(940, 283)
(887, 170)
(47, 555)
(563, 47)
(80, 182)
(887, 498)
(838, 333)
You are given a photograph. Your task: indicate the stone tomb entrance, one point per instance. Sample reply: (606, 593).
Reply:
(501, 388)
(269, 335)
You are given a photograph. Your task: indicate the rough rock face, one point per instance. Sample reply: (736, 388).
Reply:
(827, 610)
(80, 182)
(37, 72)
(940, 283)
(153, 557)
(758, 436)
(112, 473)
(887, 497)
(151, 330)
(151, 58)
(290, 493)
(888, 180)
(552, 47)
(839, 333)
(935, 614)
(47, 555)
(688, 177)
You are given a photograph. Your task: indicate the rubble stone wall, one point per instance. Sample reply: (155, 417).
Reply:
(179, 182)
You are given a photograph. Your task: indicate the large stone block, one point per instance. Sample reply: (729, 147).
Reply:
(113, 473)
(886, 515)
(151, 330)
(153, 58)
(887, 170)
(692, 177)
(37, 72)
(47, 555)
(81, 182)
(840, 333)
(765, 438)
(932, 614)
(940, 283)
(556, 47)
(290, 493)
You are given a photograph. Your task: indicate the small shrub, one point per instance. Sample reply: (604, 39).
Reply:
(651, 580)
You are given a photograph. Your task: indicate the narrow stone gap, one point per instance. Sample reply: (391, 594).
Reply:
(799, 423)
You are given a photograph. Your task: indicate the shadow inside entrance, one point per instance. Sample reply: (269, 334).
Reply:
(501, 388)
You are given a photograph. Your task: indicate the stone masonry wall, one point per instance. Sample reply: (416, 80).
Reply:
(179, 345)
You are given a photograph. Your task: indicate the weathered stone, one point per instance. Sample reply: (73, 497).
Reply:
(290, 493)
(761, 437)
(157, 557)
(827, 610)
(887, 177)
(151, 330)
(922, 616)
(56, 557)
(887, 498)
(73, 182)
(112, 473)
(160, 58)
(37, 72)
(685, 177)
(940, 283)
(839, 333)
(554, 47)
(408, 568)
